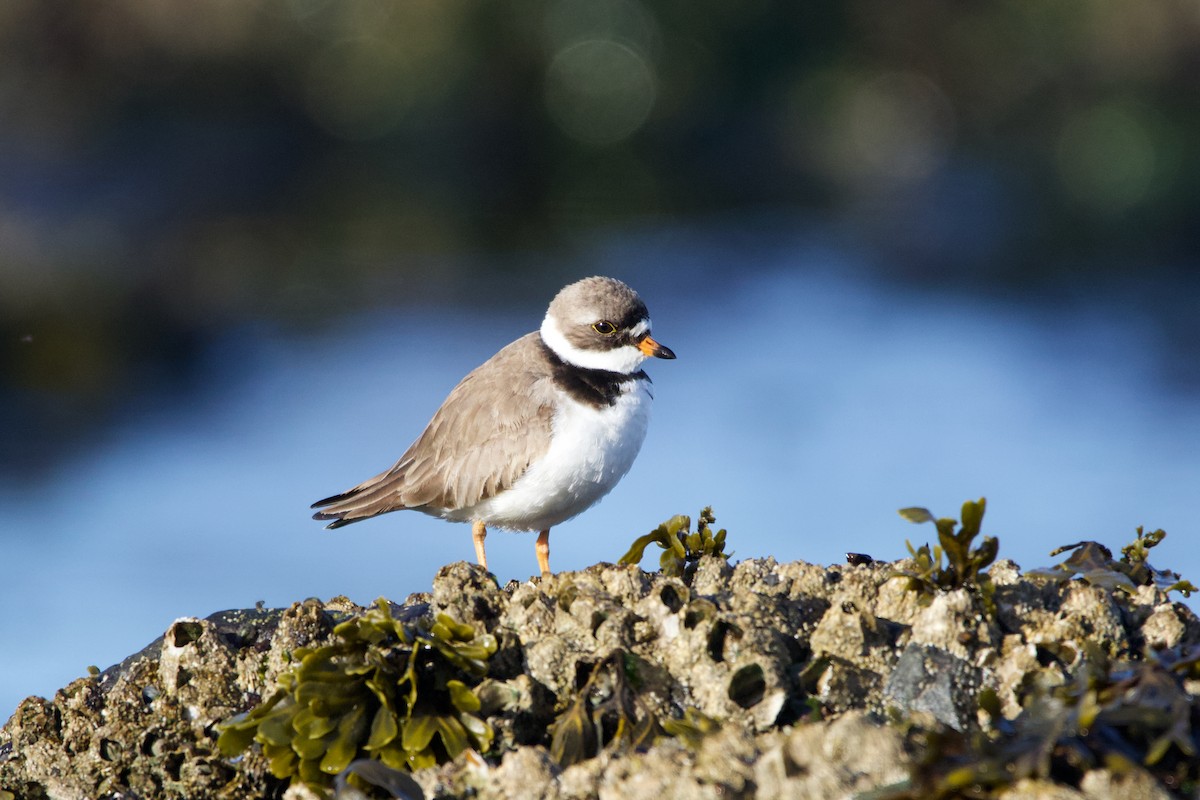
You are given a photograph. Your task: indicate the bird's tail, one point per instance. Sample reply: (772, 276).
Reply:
(368, 499)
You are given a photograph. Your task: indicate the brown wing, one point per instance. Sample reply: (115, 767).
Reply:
(493, 425)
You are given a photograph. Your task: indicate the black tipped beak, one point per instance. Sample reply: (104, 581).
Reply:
(653, 348)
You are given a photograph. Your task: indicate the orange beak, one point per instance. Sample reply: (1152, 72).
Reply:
(652, 348)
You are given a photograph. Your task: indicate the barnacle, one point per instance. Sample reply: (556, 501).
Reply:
(682, 549)
(400, 693)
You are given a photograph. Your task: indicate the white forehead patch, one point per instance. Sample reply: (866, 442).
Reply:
(641, 329)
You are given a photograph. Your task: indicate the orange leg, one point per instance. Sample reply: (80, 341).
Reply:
(479, 533)
(543, 552)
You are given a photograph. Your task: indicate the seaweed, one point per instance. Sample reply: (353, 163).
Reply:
(400, 693)
(1123, 717)
(398, 785)
(965, 565)
(691, 728)
(1093, 563)
(682, 549)
(606, 712)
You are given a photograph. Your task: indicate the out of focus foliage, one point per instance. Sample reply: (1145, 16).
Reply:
(1126, 716)
(174, 169)
(1094, 563)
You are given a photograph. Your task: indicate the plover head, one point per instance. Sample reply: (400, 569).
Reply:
(600, 323)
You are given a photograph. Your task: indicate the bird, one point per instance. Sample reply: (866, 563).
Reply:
(535, 435)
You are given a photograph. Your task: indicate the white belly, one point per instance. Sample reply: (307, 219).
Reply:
(591, 450)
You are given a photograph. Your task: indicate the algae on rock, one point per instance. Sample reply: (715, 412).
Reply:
(382, 689)
(754, 680)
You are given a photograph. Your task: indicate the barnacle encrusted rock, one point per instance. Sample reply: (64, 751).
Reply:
(760, 680)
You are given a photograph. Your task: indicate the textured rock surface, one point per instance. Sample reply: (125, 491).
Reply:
(756, 646)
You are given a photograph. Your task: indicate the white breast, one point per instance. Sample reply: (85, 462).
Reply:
(591, 450)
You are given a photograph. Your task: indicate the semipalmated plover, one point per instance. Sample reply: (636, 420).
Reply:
(534, 436)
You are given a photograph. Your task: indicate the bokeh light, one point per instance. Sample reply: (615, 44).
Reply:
(1107, 158)
(599, 91)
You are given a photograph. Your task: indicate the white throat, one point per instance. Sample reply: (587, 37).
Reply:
(625, 360)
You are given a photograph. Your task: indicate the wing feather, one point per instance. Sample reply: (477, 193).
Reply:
(491, 427)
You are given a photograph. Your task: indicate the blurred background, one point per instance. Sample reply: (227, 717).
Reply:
(908, 254)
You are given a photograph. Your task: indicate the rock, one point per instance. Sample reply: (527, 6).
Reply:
(1030, 789)
(1134, 784)
(524, 772)
(850, 755)
(1168, 625)
(469, 595)
(935, 682)
(778, 681)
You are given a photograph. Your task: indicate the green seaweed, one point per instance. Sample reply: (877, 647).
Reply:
(691, 728)
(606, 713)
(964, 565)
(1093, 563)
(682, 549)
(400, 693)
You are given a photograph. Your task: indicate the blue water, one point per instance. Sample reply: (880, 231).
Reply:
(808, 403)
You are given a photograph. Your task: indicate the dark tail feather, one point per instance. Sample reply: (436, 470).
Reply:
(368, 499)
(337, 515)
(338, 522)
(328, 501)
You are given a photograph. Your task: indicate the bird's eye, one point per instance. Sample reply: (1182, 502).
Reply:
(604, 328)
